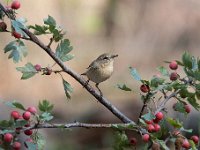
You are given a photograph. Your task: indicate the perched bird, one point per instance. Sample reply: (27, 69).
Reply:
(100, 69)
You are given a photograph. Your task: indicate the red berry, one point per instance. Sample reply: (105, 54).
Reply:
(173, 65)
(144, 88)
(176, 132)
(32, 110)
(151, 128)
(195, 139)
(8, 137)
(159, 116)
(186, 144)
(28, 132)
(157, 127)
(15, 115)
(133, 141)
(26, 115)
(16, 146)
(174, 76)
(16, 35)
(187, 108)
(47, 71)
(38, 67)
(145, 137)
(149, 121)
(156, 120)
(17, 130)
(3, 26)
(15, 4)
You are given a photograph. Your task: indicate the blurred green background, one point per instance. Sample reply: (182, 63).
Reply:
(143, 34)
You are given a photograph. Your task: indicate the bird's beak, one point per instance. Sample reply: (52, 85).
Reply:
(113, 56)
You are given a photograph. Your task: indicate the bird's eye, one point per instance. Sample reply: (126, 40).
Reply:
(106, 57)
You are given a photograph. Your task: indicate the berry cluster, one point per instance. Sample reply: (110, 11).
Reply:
(11, 139)
(3, 26)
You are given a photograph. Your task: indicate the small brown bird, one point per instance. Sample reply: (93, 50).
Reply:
(100, 69)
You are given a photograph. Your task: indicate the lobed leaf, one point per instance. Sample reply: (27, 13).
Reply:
(187, 60)
(27, 71)
(135, 74)
(45, 106)
(63, 49)
(149, 116)
(68, 89)
(123, 87)
(163, 71)
(19, 25)
(15, 105)
(174, 122)
(17, 50)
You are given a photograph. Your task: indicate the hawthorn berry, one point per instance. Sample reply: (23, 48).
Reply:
(47, 71)
(16, 35)
(156, 120)
(145, 137)
(144, 88)
(133, 141)
(7, 137)
(15, 115)
(174, 76)
(195, 139)
(16, 145)
(157, 127)
(186, 144)
(150, 128)
(3, 26)
(148, 121)
(15, 4)
(32, 109)
(28, 132)
(26, 115)
(173, 65)
(38, 67)
(187, 108)
(159, 116)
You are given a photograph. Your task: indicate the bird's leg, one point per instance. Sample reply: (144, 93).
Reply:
(101, 94)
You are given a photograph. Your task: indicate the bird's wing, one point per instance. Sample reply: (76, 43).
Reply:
(93, 65)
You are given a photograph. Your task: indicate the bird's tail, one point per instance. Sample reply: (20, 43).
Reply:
(84, 74)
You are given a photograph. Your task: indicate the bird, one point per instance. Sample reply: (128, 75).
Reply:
(100, 69)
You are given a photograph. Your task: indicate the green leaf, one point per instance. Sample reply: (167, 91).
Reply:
(39, 30)
(18, 25)
(163, 71)
(121, 141)
(28, 71)
(174, 122)
(180, 107)
(15, 105)
(63, 49)
(50, 21)
(123, 87)
(186, 130)
(45, 106)
(46, 116)
(41, 142)
(20, 123)
(31, 145)
(194, 64)
(18, 50)
(134, 74)
(6, 123)
(6, 131)
(149, 116)
(193, 145)
(187, 60)
(162, 144)
(155, 82)
(68, 89)
(193, 102)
